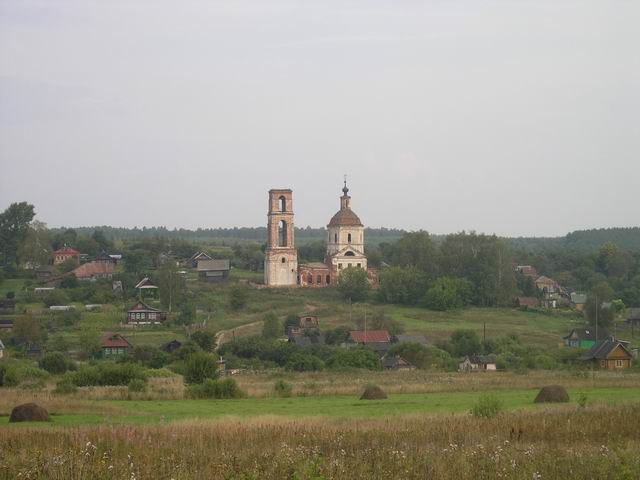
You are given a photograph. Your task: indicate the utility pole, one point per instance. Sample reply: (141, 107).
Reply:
(597, 308)
(365, 323)
(484, 335)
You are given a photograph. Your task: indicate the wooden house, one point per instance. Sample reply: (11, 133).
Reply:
(396, 362)
(377, 340)
(307, 326)
(609, 354)
(213, 270)
(6, 325)
(114, 345)
(578, 301)
(584, 337)
(146, 289)
(478, 363)
(143, 314)
(65, 253)
(192, 262)
(93, 271)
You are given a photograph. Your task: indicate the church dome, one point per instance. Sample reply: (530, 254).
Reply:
(345, 218)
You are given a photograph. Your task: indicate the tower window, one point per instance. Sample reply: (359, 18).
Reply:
(328, 279)
(310, 279)
(335, 238)
(283, 241)
(284, 260)
(319, 279)
(349, 238)
(359, 265)
(282, 202)
(339, 266)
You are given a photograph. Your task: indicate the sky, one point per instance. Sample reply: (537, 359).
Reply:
(514, 117)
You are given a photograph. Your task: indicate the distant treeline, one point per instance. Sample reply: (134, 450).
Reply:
(584, 240)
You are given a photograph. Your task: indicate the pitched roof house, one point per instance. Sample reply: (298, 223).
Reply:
(478, 363)
(578, 300)
(143, 314)
(146, 288)
(63, 254)
(114, 344)
(213, 270)
(584, 337)
(396, 362)
(369, 336)
(609, 354)
(93, 271)
(196, 257)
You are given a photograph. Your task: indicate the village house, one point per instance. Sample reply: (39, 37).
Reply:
(609, 354)
(143, 314)
(377, 340)
(527, 271)
(307, 325)
(146, 289)
(633, 317)
(114, 345)
(396, 362)
(92, 271)
(584, 337)
(104, 258)
(192, 262)
(478, 363)
(527, 302)
(578, 301)
(213, 270)
(65, 253)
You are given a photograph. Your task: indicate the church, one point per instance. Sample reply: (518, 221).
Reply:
(345, 245)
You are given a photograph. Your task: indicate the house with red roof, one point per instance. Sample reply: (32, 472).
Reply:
(65, 253)
(365, 337)
(114, 344)
(93, 271)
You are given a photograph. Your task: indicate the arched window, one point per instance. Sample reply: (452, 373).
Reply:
(349, 238)
(310, 279)
(349, 254)
(284, 260)
(282, 202)
(319, 279)
(328, 279)
(282, 234)
(335, 238)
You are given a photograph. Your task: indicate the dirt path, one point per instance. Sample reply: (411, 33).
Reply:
(222, 333)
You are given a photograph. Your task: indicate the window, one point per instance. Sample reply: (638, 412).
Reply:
(603, 363)
(349, 238)
(328, 279)
(339, 266)
(359, 265)
(284, 260)
(282, 202)
(282, 234)
(335, 238)
(310, 279)
(349, 254)
(319, 279)
(619, 363)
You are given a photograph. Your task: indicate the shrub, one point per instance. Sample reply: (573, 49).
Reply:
(107, 374)
(137, 385)
(373, 392)
(282, 388)
(37, 384)
(488, 406)
(227, 388)
(65, 387)
(301, 362)
(359, 357)
(238, 297)
(204, 339)
(582, 400)
(199, 367)
(55, 363)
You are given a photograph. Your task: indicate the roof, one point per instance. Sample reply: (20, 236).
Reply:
(345, 217)
(542, 280)
(317, 265)
(481, 359)
(5, 322)
(527, 270)
(90, 269)
(418, 338)
(209, 265)
(394, 361)
(579, 298)
(370, 336)
(603, 349)
(200, 256)
(66, 251)
(114, 340)
(145, 283)
(528, 301)
(143, 307)
(586, 334)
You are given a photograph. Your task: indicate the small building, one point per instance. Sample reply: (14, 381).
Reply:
(143, 314)
(578, 301)
(478, 363)
(1, 349)
(609, 354)
(633, 317)
(93, 271)
(146, 289)
(365, 337)
(213, 270)
(8, 306)
(114, 345)
(527, 302)
(195, 258)
(415, 338)
(171, 346)
(527, 271)
(308, 325)
(396, 362)
(65, 253)
(43, 272)
(6, 325)
(104, 258)
(43, 291)
(584, 337)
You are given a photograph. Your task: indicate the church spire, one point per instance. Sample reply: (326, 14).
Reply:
(345, 189)
(345, 199)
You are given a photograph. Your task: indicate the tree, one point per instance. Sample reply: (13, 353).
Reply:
(290, 321)
(271, 326)
(171, 284)
(448, 293)
(205, 339)
(14, 226)
(199, 367)
(28, 331)
(54, 362)
(353, 284)
(89, 339)
(301, 362)
(187, 313)
(403, 285)
(359, 357)
(598, 305)
(416, 249)
(465, 342)
(36, 247)
(238, 297)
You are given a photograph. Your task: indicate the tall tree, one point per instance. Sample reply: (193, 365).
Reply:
(416, 249)
(172, 285)
(36, 248)
(14, 225)
(353, 284)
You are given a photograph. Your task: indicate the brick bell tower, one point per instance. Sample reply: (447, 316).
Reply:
(280, 257)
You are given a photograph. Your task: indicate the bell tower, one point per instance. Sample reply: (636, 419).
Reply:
(280, 256)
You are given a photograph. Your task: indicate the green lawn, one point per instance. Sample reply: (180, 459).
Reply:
(135, 412)
(11, 285)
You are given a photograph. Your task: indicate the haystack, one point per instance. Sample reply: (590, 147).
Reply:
(373, 392)
(29, 412)
(552, 394)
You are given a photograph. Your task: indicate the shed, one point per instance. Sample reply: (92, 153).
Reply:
(415, 338)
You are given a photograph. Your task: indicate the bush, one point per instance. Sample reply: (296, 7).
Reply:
(488, 406)
(55, 363)
(137, 385)
(57, 297)
(359, 357)
(65, 387)
(301, 362)
(107, 374)
(199, 367)
(205, 339)
(282, 388)
(227, 388)
(238, 297)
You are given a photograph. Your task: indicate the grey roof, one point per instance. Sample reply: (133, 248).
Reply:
(211, 265)
(393, 361)
(603, 348)
(587, 334)
(417, 338)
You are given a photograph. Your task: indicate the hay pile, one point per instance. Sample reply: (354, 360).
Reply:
(552, 394)
(29, 412)
(373, 392)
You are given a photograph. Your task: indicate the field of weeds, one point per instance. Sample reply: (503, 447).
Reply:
(568, 443)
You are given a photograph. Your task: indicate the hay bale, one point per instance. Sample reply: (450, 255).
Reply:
(29, 412)
(552, 394)
(373, 392)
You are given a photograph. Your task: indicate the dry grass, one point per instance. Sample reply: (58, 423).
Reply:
(598, 442)
(330, 383)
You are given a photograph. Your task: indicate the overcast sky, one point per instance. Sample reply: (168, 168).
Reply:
(509, 117)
